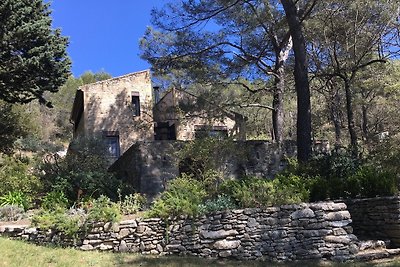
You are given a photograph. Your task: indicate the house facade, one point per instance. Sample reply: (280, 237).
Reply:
(178, 115)
(123, 111)
(119, 110)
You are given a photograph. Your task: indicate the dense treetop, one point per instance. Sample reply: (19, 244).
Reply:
(33, 57)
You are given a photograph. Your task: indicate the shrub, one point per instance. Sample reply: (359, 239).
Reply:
(15, 198)
(58, 219)
(206, 160)
(369, 182)
(131, 203)
(71, 222)
(258, 192)
(54, 199)
(83, 172)
(183, 196)
(222, 202)
(11, 213)
(250, 192)
(15, 176)
(386, 154)
(103, 210)
(290, 189)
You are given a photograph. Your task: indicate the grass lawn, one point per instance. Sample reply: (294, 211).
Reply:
(18, 253)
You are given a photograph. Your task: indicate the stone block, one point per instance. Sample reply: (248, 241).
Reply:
(304, 213)
(225, 244)
(218, 234)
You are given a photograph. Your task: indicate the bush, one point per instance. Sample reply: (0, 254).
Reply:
(11, 213)
(131, 203)
(15, 176)
(71, 222)
(206, 160)
(53, 200)
(83, 172)
(103, 210)
(58, 219)
(222, 202)
(183, 196)
(258, 192)
(369, 182)
(290, 189)
(15, 198)
(386, 155)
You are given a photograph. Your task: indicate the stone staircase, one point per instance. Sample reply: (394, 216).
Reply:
(375, 250)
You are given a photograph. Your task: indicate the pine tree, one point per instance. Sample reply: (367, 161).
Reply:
(33, 57)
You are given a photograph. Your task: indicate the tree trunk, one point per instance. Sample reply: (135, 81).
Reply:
(364, 126)
(350, 118)
(335, 114)
(279, 89)
(277, 113)
(301, 82)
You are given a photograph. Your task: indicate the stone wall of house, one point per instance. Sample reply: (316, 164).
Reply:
(108, 108)
(149, 165)
(376, 218)
(285, 233)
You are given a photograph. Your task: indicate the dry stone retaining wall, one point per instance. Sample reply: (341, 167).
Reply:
(289, 232)
(376, 218)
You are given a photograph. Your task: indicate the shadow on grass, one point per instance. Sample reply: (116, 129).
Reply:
(124, 260)
(175, 261)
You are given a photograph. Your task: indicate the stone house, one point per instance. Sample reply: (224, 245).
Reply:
(125, 110)
(180, 115)
(120, 110)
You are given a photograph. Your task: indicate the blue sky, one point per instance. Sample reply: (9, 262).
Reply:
(104, 34)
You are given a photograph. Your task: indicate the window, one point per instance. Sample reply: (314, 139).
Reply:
(135, 104)
(112, 143)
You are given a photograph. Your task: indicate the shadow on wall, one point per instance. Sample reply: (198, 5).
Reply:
(118, 118)
(148, 166)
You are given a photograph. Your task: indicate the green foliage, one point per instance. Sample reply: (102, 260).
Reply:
(258, 192)
(339, 175)
(54, 200)
(205, 160)
(59, 220)
(103, 210)
(369, 182)
(183, 196)
(73, 221)
(15, 176)
(131, 203)
(12, 127)
(83, 172)
(222, 202)
(385, 155)
(33, 56)
(15, 198)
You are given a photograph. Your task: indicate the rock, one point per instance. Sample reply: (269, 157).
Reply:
(225, 253)
(337, 239)
(218, 234)
(339, 223)
(252, 223)
(128, 223)
(141, 229)
(225, 244)
(124, 232)
(123, 247)
(337, 216)
(304, 213)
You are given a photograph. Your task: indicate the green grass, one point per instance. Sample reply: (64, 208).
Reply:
(18, 253)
